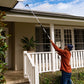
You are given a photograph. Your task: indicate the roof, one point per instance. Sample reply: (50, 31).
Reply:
(8, 3)
(19, 15)
(47, 14)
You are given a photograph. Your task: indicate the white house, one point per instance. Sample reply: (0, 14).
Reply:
(62, 28)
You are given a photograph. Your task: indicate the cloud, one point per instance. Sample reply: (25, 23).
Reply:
(43, 7)
(20, 5)
(62, 6)
(76, 7)
(75, 1)
(51, 0)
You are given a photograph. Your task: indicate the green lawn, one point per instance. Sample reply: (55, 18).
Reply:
(54, 77)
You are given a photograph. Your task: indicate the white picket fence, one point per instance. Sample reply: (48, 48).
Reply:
(39, 62)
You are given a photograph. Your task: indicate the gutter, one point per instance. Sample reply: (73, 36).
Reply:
(46, 14)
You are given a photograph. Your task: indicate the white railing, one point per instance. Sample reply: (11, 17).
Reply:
(77, 59)
(39, 62)
(46, 61)
(30, 69)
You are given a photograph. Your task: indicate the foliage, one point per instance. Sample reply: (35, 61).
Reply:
(46, 81)
(50, 78)
(54, 77)
(78, 76)
(29, 44)
(3, 48)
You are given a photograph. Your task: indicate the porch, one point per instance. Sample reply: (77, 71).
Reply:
(61, 35)
(40, 62)
(62, 32)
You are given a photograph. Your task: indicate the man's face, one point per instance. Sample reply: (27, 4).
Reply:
(66, 48)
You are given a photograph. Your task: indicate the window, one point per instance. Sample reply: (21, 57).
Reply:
(43, 43)
(67, 36)
(79, 39)
(58, 37)
(63, 37)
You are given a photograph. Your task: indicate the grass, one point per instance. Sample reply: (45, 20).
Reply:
(54, 77)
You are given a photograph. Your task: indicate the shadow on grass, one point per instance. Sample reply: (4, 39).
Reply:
(23, 83)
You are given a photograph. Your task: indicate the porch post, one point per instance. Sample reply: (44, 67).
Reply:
(73, 39)
(62, 38)
(52, 36)
(52, 49)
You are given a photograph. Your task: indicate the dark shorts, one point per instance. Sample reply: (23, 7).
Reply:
(66, 78)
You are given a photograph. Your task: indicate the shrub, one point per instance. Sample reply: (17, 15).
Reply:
(28, 44)
(3, 48)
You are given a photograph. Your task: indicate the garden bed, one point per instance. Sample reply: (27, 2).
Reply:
(54, 77)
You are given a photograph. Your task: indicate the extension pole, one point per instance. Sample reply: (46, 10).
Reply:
(38, 21)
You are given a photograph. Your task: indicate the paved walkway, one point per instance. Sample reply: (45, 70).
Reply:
(15, 77)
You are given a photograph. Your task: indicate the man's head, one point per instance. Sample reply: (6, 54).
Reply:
(68, 47)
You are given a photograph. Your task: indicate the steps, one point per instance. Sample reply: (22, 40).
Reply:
(15, 77)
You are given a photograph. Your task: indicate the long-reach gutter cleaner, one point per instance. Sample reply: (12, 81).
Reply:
(37, 19)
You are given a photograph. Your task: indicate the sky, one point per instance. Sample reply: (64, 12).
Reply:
(71, 7)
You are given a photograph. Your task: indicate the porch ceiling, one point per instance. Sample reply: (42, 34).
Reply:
(46, 20)
(8, 3)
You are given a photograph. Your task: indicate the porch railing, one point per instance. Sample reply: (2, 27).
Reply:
(39, 62)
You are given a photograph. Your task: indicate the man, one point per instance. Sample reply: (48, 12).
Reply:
(65, 63)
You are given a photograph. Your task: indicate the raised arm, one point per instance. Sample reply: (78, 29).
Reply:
(56, 48)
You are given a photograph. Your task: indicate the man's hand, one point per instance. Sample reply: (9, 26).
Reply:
(51, 41)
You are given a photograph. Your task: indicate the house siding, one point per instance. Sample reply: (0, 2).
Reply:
(21, 29)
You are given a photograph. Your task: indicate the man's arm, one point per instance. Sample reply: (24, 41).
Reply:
(56, 48)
